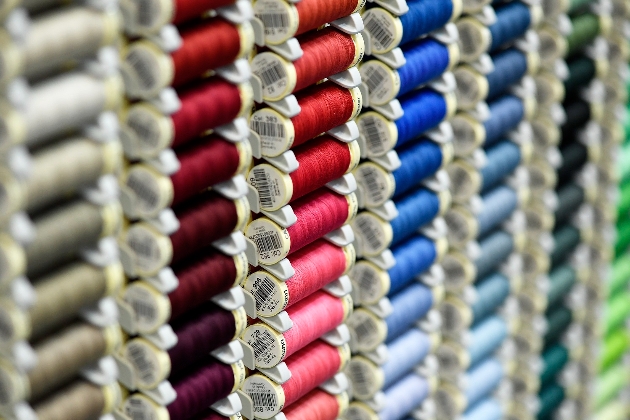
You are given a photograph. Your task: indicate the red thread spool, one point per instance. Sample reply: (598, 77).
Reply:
(186, 10)
(310, 367)
(312, 317)
(318, 214)
(314, 13)
(321, 160)
(315, 265)
(325, 53)
(323, 107)
(203, 386)
(316, 405)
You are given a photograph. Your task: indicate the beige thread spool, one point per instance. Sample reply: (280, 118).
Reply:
(64, 231)
(80, 400)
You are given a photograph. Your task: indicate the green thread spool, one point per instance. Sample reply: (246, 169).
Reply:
(566, 239)
(623, 164)
(623, 237)
(617, 311)
(575, 5)
(585, 30)
(561, 280)
(620, 275)
(623, 205)
(616, 410)
(554, 360)
(581, 71)
(614, 348)
(550, 399)
(609, 384)
(557, 321)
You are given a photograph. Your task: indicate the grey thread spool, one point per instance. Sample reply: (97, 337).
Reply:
(78, 401)
(61, 295)
(68, 34)
(60, 170)
(64, 231)
(65, 103)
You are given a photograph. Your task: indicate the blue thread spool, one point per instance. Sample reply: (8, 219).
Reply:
(491, 293)
(486, 337)
(414, 211)
(503, 158)
(506, 113)
(488, 409)
(426, 59)
(513, 20)
(509, 67)
(413, 257)
(494, 250)
(423, 110)
(410, 305)
(404, 353)
(498, 205)
(424, 16)
(482, 379)
(418, 161)
(404, 396)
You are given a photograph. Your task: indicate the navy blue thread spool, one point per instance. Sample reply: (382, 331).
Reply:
(426, 59)
(388, 31)
(410, 305)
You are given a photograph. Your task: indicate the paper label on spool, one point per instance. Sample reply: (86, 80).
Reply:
(379, 133)
(370, 282)
(351, 256)
(148, 368)
(139, 407)
(384, 28)
(267, 397)
(367, 331)
(271, 295)
(372, 233)
(269, 346)
(240, 373)
(151, 131)
(146, 69)
(376, 185)
(276, 132)
(274, 187)
(151, 308)
(276, 74)
(242, 266)
(365, 376)
(359, 411)
(151, 190)
(474, 38)
(151, 250)
(272, 241)
(382, 82)
(279, 18)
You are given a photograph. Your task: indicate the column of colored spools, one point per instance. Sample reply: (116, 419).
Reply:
(304, 197)
(60, 264)
(184, 193)
(406, 142)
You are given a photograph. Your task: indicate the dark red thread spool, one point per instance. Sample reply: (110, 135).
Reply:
(203, 277)
(209, 414)
(316, 405)
(312, 317)
(321, 160)
(204, 385)
(315, 265)
(186, 10)
(315, 13)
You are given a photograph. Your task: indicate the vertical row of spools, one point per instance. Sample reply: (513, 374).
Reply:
(188, 148)
(59, 210)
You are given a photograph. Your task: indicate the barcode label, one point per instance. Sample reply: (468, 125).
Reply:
(145, 249)
(370, 179)
(381, 36)
(261, 182)
(271, 74)
(367, 282)
(373, 133)
(268, 349)
(274, 21)
(141, 301)
(268, 129)
(364, 326)
(467, 37)
(375, 80)
(267, 242)
(263, 401)
(137, 409)
(145, 69)
(147, 12)
(140, 183)
(144, 312)
(143, 126)
(361, 383)
(263, 341)
(264, 288)
(143, 366)
(369, 232)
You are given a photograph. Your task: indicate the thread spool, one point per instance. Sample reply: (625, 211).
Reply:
(66, 35)
(486, 337)
(63, 104)
(206, 45)
(503, 158)
(315, 265)
(425, 59)
(405, 396)
(325, 53)
(66, 230)
(509, 67)
(615, 346)
(495, 249)
(566, 238)
(323, 107)
(619, 275)
(609, 384)
(558, 320)
(585, 28)
(312, 317)
(423, 110)
(615, 410)
(491, 293)
(616, 312)
(318, 214)
(410, 305)
(469, 134)
(309, 368)
(465, 180)
(388, 31)
(581, 71)
(80, 400)
(488, 409)
(550, 399)
(549, 89)
(506, 113)
(554, 360)
(195, 391)
(318, 405)
(205, 105)
(203, 330)
(561, 281)
(207, 162)
(570, 197)
(321, 160)
(459, 269)
(202, 220)
(283, 20)
(63, 169)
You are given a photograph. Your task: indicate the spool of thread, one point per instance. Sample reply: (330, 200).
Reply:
(566, 238)
(205, 105)
(616, 312)
(495, 248)
(469, 134)
(486, 337)
(310, 367)
(425, 60)
(321, 160)
(610, 384)
(318, 214)
(388, 31)
(558, 320)
(578, 113)
(561, 280)
(554, 359)
(615, 346)
(623, 237)
(615, 410)
(423, 110)
(323, 107)
(72, 33)
(506, 113)
(550, 399)
(312, 317)
(488, 409)
(576, 5)
(491, 293)
(570, 198)
(503, 158)
(581, 71)
(283, 20)
(206, 45)
(418, 161)
(413, 257)
(623, 203)
(209, 382)
(620, 274)
(410, 305)
(509, 67)
(315, 265)
(206, 162)
(64, 168)
(325, 53)
(317, 405)
(498, 205)
(403, 397)
(574, 156)
(585, 28)
(64, 231)
(81, 400)
(485, 377)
